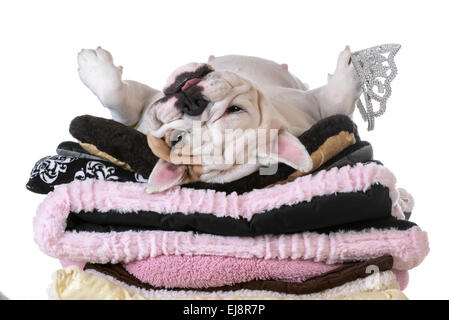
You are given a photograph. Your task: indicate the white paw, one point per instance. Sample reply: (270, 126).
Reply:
(345, 81)
(98, 72)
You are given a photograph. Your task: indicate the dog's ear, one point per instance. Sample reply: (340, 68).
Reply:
(164, 176)
(287, 149)
(291, 152)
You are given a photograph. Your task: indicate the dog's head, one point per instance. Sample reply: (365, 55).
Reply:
(216, 126)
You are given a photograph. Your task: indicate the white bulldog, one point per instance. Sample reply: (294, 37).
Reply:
(229, 92)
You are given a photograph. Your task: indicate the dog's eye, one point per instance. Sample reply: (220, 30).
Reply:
(176, 136)
(233, 109)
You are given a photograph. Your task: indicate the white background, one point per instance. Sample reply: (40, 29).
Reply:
(40, 92)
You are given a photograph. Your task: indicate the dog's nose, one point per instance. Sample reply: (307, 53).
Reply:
(191, 101)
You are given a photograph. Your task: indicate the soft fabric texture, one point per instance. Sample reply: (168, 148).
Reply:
(74, 284)
(55, 170)
(408, 247)
(214, 271)
(335, 210)
(104, 196)
(207, 271)
(334, 278)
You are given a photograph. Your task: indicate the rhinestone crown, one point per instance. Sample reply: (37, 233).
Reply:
(376, 69)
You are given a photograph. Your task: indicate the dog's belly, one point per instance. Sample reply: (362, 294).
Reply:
(260, 71)
(281, 87)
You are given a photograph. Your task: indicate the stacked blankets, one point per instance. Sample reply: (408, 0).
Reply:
(338, 232)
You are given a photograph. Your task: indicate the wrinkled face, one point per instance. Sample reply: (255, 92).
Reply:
(200, 110)
(217, 120)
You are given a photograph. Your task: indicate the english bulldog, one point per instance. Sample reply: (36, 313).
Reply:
(224, 119)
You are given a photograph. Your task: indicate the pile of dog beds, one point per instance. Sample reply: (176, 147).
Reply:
(341, 231)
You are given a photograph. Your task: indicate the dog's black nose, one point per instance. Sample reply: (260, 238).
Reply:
(191, 101)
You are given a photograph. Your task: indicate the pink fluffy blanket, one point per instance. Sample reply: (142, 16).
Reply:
(408, 247)
(125, 197)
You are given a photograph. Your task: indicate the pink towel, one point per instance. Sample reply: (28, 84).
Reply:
(216, 271)
(204, 271)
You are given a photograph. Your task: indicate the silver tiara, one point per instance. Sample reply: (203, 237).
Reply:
(376, 69)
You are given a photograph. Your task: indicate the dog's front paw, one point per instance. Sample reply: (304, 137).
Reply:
(98, 72)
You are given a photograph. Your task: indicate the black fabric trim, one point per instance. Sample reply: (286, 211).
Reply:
(379, 224)
(329, 211)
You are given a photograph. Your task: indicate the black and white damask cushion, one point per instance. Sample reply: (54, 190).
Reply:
(55, 170)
